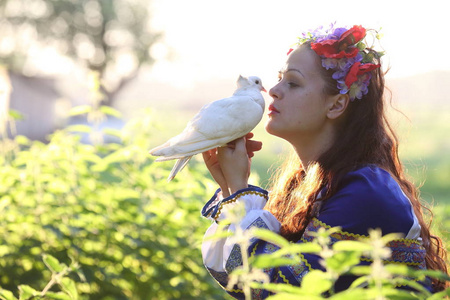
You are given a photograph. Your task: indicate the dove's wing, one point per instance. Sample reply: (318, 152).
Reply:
(214, 125)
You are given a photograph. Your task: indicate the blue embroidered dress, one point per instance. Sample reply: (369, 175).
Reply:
(367, 198)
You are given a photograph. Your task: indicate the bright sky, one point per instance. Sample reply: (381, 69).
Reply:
(207, 39)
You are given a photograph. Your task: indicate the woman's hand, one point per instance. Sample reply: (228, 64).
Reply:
(235, 161)
(230, 165)
(235, 164)
(212, 163)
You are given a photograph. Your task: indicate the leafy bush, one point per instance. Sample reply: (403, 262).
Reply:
(107, 212)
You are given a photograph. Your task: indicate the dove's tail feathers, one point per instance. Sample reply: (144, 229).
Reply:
(163, 158)
(155, 151)
(179, 165)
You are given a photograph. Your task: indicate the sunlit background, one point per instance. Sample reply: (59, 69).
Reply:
(124, 76)
(173, 56)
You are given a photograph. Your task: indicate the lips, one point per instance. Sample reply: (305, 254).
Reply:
(272, 109)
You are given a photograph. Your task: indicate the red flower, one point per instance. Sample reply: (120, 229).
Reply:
(353, 35)
(344, 47)
(356, 70)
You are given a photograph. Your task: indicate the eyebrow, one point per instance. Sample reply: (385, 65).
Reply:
(291, 70)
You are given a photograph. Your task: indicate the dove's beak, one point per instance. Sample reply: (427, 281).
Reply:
(263, 89)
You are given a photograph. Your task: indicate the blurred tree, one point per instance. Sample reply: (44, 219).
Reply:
(112, 37)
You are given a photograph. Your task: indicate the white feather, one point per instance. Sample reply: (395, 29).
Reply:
(216, 124)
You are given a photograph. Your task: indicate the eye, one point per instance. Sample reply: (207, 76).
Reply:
(257, 81)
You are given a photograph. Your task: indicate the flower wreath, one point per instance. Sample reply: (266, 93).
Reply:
(344, 51)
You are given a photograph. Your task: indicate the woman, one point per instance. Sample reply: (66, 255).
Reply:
(345, 169)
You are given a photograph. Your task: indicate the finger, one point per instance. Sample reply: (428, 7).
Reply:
(253, 145)
(206, 155)
(249, 135)
(240, 144)
(231, 145)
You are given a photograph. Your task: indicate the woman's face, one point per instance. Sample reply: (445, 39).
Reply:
(298, 109)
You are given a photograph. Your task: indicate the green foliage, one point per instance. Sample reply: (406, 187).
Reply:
(99, 221)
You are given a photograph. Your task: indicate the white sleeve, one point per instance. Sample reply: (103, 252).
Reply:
(216, 252)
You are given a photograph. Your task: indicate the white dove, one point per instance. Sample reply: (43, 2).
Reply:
(216, 124)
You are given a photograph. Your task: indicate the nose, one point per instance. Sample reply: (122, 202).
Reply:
(275, 92)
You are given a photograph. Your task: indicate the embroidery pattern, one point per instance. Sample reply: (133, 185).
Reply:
(216, 214)
(300, 270)
(234, 260)
(405, 251)
(220, 277)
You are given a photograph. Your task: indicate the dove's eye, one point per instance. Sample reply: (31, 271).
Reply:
(257, 81)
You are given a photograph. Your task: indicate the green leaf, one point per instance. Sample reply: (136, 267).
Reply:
(411, 283)
(219, 235)
(396, 294)
(22, 140)
(440, 295)
(80, 110)
(341, 262)
(15, 115)
(391, 237)
(110, 111)
(360, 282)
(398, 269)
(432, 273)
(287, 296)
(7, 295)
(351, 246)
(26, 292)
(268, 260)
(52, 263)
(57, 296)
(278, 287)
(300, 248)
(270, 237)
(360, 270)
(68, 285)
(355, 294)
(316, 282)
(79, 128)
(113, 132)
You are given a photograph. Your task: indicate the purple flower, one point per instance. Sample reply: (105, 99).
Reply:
(342, 87)
(344, 64)
(329, 63)
(336, 34)
(339, 75)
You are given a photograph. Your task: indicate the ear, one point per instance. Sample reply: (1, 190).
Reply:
(337, 106)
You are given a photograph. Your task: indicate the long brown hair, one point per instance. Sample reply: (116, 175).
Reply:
(365, 137)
